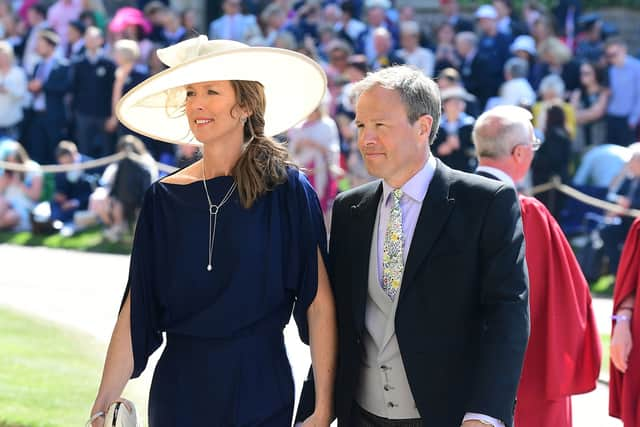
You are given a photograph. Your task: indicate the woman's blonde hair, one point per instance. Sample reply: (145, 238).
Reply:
(7, 49)
(127, 49)
(263, 163)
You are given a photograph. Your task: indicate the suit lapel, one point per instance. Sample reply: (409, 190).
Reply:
(436, 208)
(362, 222)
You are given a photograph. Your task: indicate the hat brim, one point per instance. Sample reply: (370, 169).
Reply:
(293, 84)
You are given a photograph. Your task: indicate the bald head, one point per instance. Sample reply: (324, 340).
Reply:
(504, 139)
(498, 130)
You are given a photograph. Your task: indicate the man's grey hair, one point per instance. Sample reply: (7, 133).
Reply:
(552, 83)
(498, 130)
(517, 68)
(419, 94)
(469, 38)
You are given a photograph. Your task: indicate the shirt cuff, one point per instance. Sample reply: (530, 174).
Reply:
(469, 416)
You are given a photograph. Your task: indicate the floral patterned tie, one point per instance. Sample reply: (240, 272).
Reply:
(392, 261)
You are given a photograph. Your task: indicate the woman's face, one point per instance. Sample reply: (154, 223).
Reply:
(212, 111)
(587, 74)
(446, 34)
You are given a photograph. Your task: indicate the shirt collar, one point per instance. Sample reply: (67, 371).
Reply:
(417, 186)
(501, 175)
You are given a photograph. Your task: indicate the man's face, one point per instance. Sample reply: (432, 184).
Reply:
(375, 17)
(43, 48)
(524, 152)
(392, 148)
(615, 54)
(231, 7)
(381, 44)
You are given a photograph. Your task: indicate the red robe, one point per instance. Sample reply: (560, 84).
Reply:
(563, 356)
(624, 389)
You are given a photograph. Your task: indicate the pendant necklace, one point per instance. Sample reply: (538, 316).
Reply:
(213, 213)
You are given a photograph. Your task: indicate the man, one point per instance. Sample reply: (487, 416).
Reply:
(72, 188)
(516, 90)
(428, 271)
(92, 79)
(492, 44)
(626, 194)
(473, 69)
(37, 21)
(563, 356)
(49, 85)
(376, 19)
(384, 54)
(233, 25)
(601, 164)
(76, 47)
(451, 10)
(623, 112)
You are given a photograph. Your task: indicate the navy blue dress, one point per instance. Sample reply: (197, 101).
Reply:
(225, 362)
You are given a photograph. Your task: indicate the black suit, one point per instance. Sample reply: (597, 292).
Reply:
(462, 315)
(46, 128)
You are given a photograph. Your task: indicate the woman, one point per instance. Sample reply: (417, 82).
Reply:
(590, 104)
(552, 159)
(107, 201)
(315, 145)
(411, 51)
(625, 356)
(125, 54)
(445, 54)
(224, 247)
(19, 191)
(13, 90)
(552, 90)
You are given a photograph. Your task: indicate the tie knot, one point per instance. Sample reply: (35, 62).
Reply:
(397, 194)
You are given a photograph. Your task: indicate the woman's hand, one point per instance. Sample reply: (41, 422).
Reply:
(111, 124)
(621, 344)
(317, 420)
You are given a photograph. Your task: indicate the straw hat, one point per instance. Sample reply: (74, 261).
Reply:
(293, 84)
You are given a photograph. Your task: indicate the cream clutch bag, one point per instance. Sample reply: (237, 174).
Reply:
(118, 415)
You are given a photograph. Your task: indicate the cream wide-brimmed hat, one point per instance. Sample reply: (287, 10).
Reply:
(293, 84)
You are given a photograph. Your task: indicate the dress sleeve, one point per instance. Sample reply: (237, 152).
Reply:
(146, 336)
(307, 237)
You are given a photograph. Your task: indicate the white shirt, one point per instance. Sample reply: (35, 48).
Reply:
(421, 58)
(15, 83)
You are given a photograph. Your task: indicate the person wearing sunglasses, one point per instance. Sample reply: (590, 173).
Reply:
(563, 354)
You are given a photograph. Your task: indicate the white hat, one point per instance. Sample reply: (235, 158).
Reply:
(293, 84)
(486, 11)
(525, 43)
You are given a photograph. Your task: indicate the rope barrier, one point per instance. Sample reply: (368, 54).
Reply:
(554, 184)
(90, 164)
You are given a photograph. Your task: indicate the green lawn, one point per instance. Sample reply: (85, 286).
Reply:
(48, 375)
(89, 240)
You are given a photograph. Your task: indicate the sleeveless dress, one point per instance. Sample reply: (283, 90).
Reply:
(225, 362)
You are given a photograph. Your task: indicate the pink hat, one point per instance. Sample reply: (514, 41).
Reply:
(129, 16)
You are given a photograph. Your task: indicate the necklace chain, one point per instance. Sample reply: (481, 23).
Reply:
(213, 213)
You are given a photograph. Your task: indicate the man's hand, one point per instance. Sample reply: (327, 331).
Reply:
(35, 86)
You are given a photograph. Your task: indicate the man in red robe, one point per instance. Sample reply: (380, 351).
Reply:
(624, 386)
(563, 355)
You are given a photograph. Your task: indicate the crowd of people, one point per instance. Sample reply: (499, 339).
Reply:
(64, 68)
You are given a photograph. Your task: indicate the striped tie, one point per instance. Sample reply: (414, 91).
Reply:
(392, 261)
